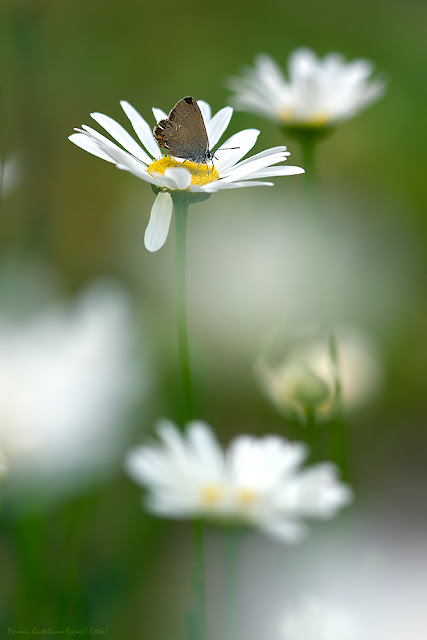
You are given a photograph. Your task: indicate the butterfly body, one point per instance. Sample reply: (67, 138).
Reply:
(184, 134)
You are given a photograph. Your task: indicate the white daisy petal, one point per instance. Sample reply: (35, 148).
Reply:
(217, 125)
(122, 136)
(158, 227)
(240, 171)
(132, 166)
(142, 129)
(270, 172)
(244, 141)
(284, 530)
(205, 109)
(280, 151)
(271, 71)
(85, 142)
(180, 176)
(219, 185)
(318, 492)
(159, 114)
(163, 180)
(122, 159)
(206, 447)
(104, 143)
(302, 62)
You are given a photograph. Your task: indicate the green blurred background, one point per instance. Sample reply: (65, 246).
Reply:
(81, 219)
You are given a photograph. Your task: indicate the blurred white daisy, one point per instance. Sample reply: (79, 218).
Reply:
(305, 376)
(147, 162)
(256, 481)
(318, 92)
(67, 377)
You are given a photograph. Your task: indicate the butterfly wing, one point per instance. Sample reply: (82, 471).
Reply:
(183, 133)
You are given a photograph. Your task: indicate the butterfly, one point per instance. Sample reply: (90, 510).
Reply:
(184, 134)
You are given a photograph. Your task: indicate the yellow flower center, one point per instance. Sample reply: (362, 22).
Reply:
(318, 119)
(200, 174)
(246, 496)
(211, 495)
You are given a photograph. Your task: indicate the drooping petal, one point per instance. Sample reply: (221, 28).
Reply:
(158, 227)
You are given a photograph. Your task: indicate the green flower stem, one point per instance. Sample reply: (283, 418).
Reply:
(181, 211)
(181, 201)
(29, 532)
(308, 138)
(307, 143)
(337, 436)
(197, 615)
(311, 433)
(338, 444)
(231, 541)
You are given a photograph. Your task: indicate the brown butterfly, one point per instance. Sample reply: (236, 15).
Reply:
(184, 134)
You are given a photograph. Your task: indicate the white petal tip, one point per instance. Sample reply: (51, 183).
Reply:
(158, 227)
(151, 249)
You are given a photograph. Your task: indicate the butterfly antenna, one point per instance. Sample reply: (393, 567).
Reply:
(226, 149)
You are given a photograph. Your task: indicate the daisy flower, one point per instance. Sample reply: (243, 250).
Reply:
(317, 93)
(169, 179)
(305, 376)
(67, 377)
(256, 481)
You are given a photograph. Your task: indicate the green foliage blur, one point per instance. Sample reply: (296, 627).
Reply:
(97, 559)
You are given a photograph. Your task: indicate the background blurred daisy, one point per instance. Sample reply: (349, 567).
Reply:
(317, 92)
(304, 374)
(256, 481)
(67, 379)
